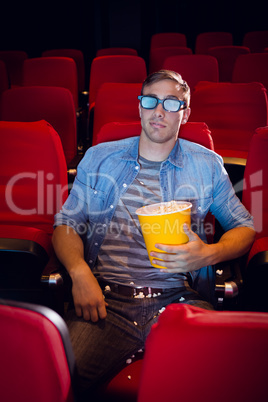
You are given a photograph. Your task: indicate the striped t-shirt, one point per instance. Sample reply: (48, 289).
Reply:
(123, 256)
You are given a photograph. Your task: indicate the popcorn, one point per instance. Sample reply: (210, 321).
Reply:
(139, 296)
(171, 206)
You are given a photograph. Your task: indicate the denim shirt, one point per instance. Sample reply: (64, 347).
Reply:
(191, 173)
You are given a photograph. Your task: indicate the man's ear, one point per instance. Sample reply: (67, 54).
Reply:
(186, 115)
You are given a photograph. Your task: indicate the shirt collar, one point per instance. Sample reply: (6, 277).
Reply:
(175, 156)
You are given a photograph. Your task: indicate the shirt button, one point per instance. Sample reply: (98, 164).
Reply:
(95, 192)
(104, 225)
(96, 244)
(137, 167)
(90, 261)
(111, 206)
(125, 185)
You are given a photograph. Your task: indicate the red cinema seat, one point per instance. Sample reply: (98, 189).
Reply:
(109, 51)
(33, 174)
(255, 190)
(194, 68)
(255, 198)
(33, 187)
(14, 60)
(163, 39)
(36, 353)
(75, 54)
(205, 40)
(189, 344)
(226, 57)
(251, 67)
(120, 102)
(116, 68)
(113, 131)
(257, 41)
(159, 54)
(232, 113)
(52, 71)
(53, 104)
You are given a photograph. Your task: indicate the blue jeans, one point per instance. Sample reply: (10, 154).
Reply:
(101, 349)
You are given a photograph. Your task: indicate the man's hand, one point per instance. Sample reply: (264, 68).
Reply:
(182, 257)
(196, 254)
(88, 297)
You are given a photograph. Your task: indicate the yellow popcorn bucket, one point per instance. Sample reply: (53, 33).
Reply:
(163, 223)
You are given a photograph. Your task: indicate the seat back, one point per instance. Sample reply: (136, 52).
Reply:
(194, 68)
(255, 189)
(116, 68)
(52, 71)
(159, 54)
(109, 51)
(33, 176)
(163, 39)
(232, 113)
(226, 57)
(75, 54)
(205, 40)
(36, 354)
(14, 60)
(113, 131)
(251, 67)
(187, 356)
(53, 104)
(120, 103)
(257, 41)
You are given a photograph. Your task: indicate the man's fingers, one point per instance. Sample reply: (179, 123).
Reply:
(102, 311)
(78, 311)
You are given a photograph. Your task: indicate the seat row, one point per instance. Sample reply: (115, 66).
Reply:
(256, 41)
(209, 338)
(60, 72)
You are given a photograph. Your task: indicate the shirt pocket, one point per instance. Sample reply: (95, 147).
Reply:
(95, 200)
(200, 207)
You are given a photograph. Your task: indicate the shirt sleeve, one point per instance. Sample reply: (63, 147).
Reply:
(226, 206)
(74, 210)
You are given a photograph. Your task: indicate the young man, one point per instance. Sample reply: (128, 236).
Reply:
(99, 241)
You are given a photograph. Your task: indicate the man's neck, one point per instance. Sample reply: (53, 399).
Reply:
(157, 152)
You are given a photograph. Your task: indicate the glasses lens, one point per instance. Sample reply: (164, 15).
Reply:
(148, 102)
(172, 105)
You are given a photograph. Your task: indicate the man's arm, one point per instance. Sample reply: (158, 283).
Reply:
(196, 254)
(88, 297)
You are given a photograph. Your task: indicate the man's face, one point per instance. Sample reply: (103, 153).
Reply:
(159, 125)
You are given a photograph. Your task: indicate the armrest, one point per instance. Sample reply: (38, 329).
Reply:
(228, 283)
(24, 252)
(235, 168)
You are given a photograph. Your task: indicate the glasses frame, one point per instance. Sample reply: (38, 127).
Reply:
(181, 103)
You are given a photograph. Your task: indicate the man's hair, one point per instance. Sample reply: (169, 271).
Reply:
(168, 75)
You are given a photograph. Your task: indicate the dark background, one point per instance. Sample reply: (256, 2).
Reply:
(92, 24)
